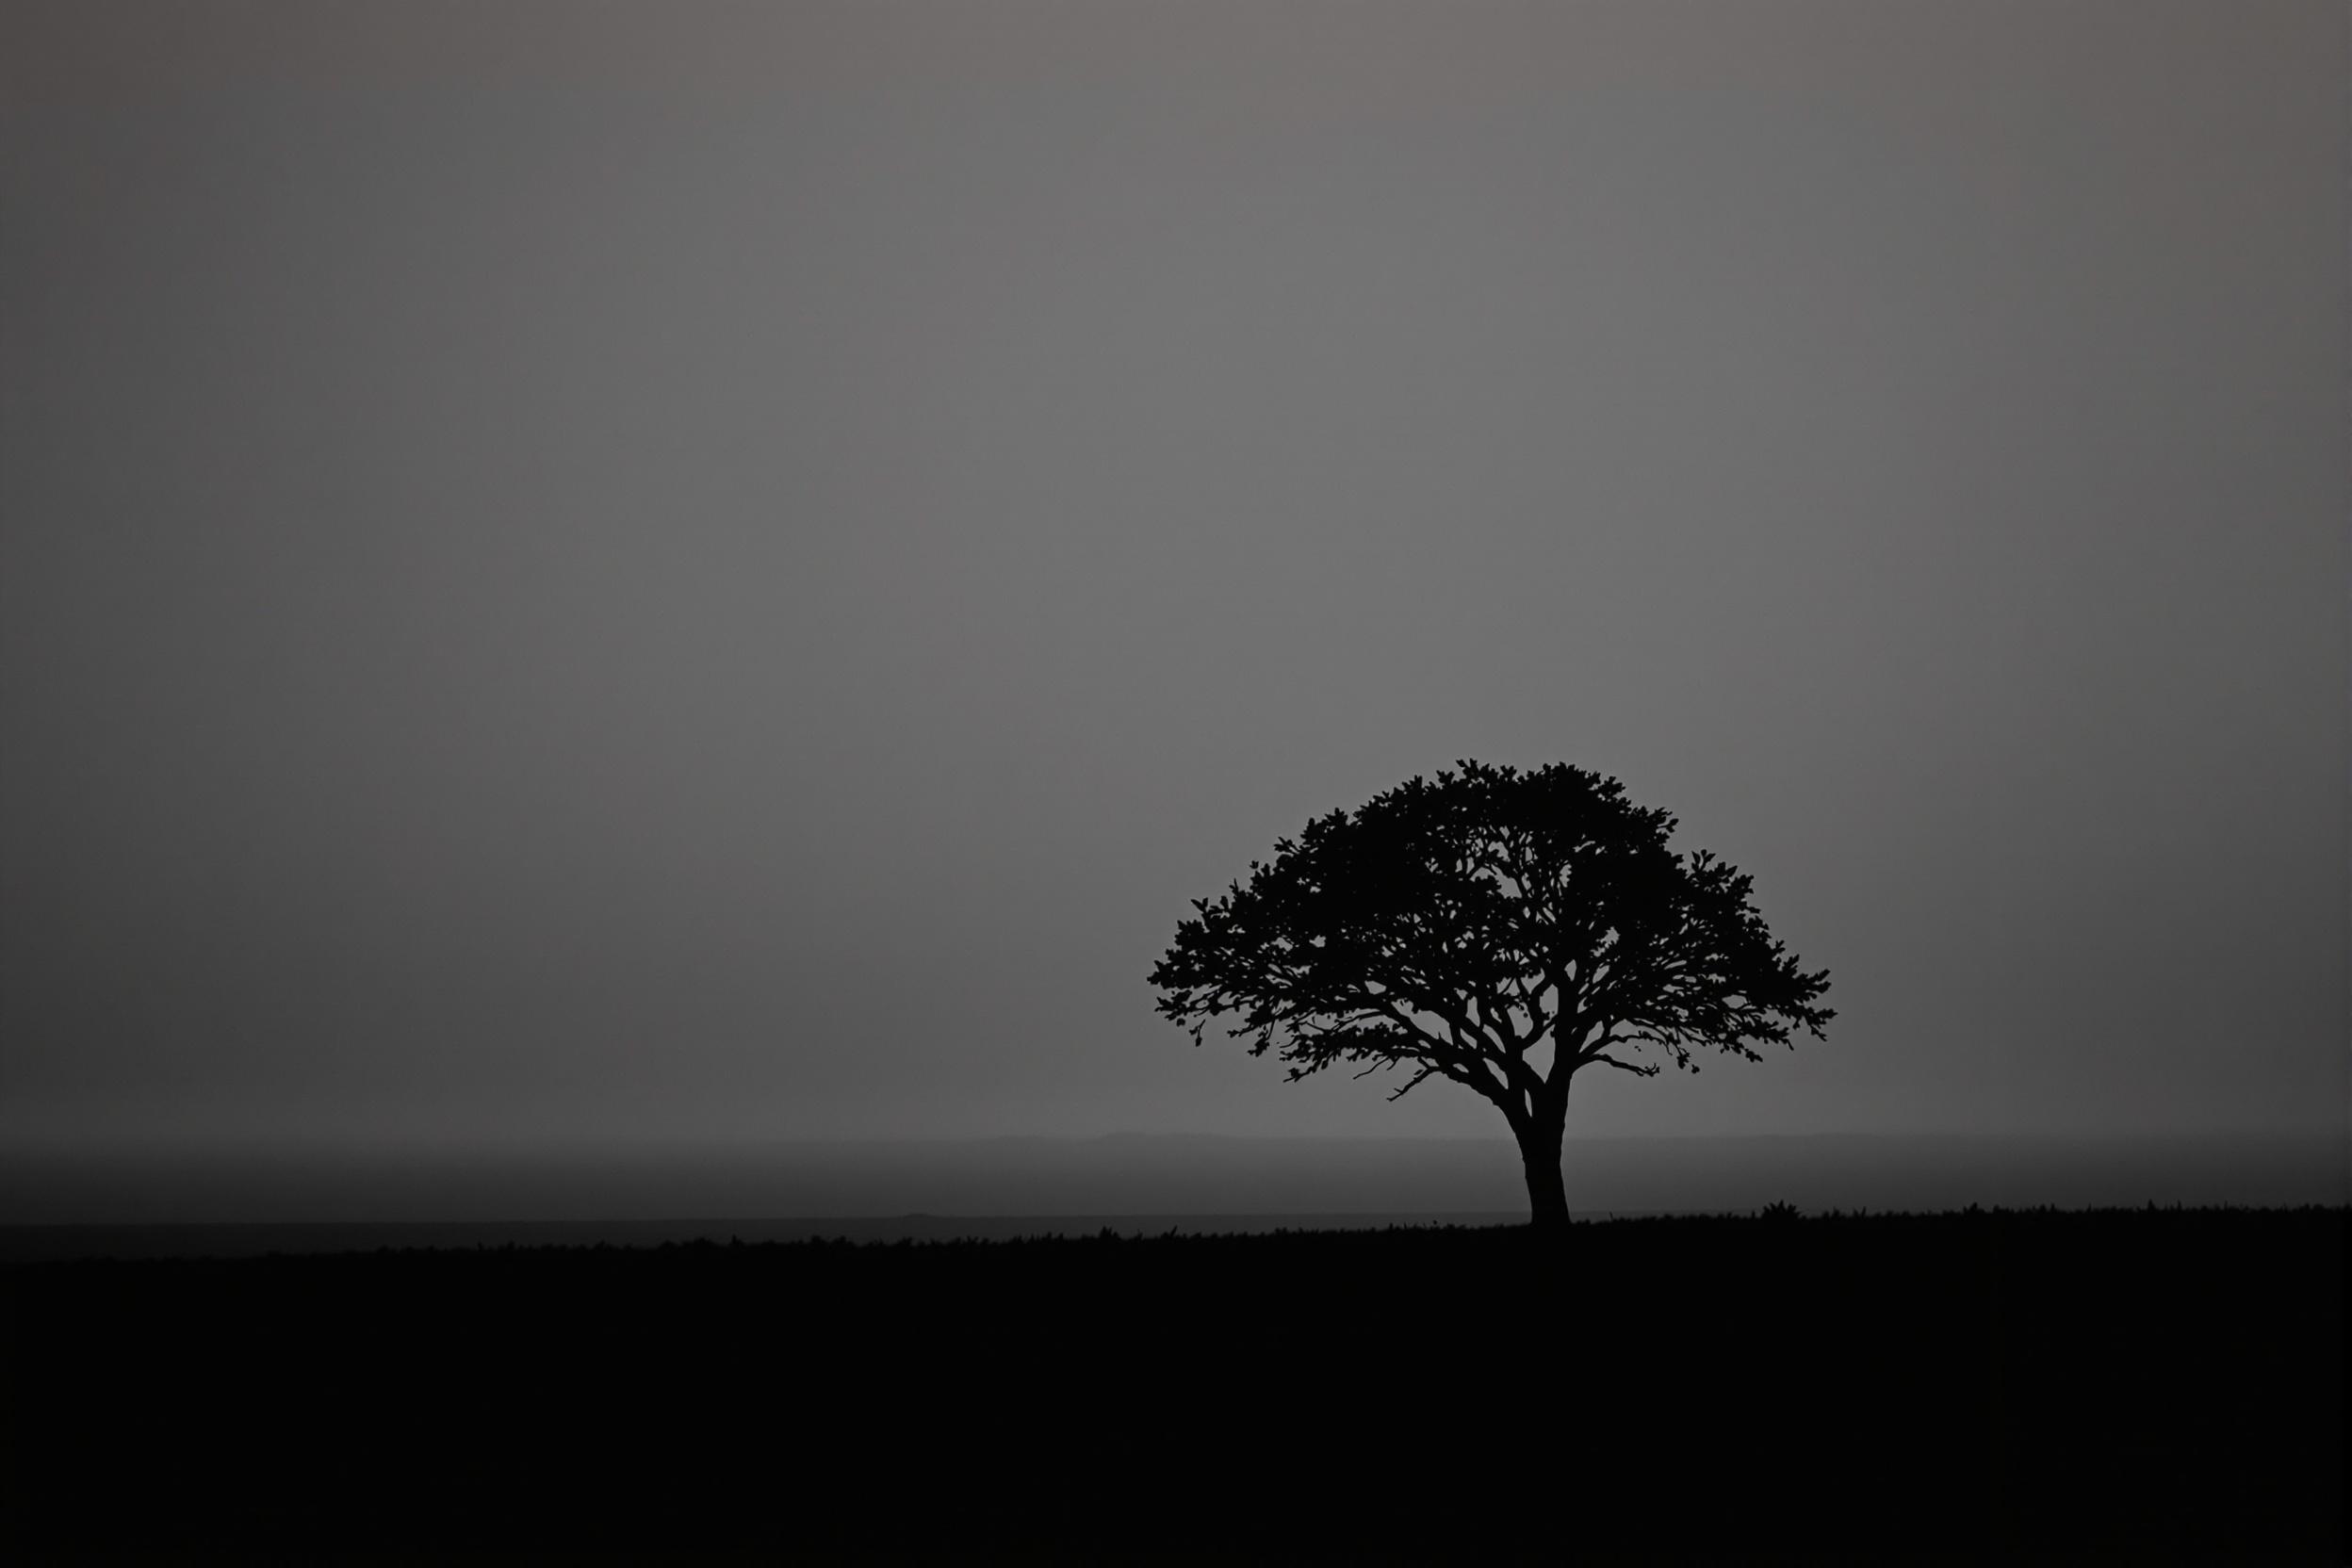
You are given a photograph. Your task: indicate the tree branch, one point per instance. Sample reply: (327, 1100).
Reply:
(1427, 1069)
(1638, 1069)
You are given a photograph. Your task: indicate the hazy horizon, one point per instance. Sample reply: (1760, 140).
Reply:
(332, 1183)
(699, 572)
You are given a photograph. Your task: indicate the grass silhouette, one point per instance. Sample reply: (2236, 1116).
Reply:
(2150, 1384)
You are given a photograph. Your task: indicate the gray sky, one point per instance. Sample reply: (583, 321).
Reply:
(681, 569)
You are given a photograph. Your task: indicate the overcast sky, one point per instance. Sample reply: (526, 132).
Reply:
(728, 569)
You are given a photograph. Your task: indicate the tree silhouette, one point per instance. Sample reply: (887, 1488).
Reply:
(1469, 926)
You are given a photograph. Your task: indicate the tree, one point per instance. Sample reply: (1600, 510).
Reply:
(1471, 927)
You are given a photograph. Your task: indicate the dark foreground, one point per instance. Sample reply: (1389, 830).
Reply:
(2136, 1386)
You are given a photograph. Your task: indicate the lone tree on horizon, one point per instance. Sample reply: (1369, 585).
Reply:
(1469, 926)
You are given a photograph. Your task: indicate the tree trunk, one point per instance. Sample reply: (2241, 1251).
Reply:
(1547, 1193)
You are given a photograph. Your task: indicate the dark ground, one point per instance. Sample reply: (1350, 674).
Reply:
(2133, 1386)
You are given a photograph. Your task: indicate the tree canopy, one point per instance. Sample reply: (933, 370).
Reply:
(1464, 927)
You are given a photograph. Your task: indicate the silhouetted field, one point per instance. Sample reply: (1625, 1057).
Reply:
(2139, 1385)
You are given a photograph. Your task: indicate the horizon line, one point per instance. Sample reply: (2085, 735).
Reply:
(87, 1142)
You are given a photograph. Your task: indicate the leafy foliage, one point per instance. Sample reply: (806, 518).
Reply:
(1454, 926)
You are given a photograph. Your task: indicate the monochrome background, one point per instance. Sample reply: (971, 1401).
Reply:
(581, 574)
